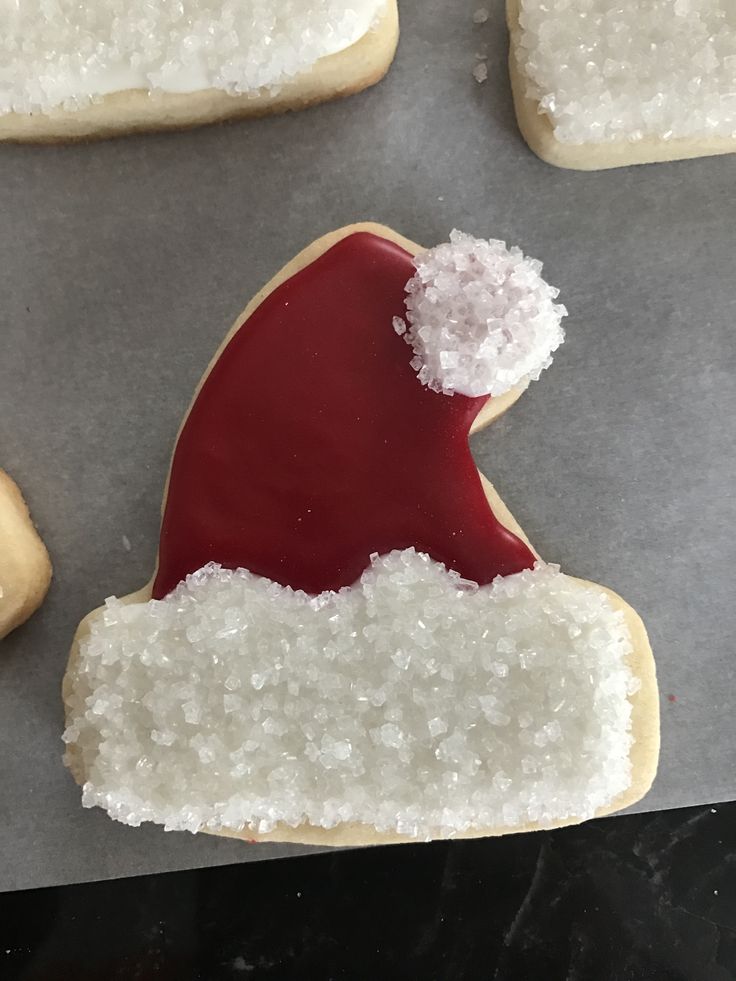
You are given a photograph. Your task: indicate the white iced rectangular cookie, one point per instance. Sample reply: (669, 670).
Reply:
(99, 70)
(617, 84)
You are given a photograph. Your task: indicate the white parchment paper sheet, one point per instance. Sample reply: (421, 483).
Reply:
(122, 264)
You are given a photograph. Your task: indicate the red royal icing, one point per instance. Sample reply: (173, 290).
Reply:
(312, 444)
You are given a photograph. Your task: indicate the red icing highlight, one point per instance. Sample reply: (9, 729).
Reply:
(312, 444)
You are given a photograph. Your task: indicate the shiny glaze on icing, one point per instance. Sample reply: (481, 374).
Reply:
(312, 444)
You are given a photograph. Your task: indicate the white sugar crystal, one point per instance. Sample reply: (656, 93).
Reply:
(63, 52)
(436, 727)
(479, 317)
(355, 736)
(624, 69)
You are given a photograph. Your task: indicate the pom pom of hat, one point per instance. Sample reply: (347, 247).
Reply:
(480, 318)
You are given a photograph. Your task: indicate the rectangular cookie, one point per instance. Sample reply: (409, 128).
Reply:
(343, 73)
(539, 130)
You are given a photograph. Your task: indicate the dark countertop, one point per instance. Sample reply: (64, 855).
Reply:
(646, 897)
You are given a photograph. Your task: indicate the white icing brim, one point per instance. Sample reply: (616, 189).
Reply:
(413, 702)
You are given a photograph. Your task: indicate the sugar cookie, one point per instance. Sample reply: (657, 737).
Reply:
(25, 570)
(89, 71)
(348, 639)
(607, 85)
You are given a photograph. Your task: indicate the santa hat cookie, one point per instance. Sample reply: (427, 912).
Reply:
(348, 639)
(80, 71)
(25, 570)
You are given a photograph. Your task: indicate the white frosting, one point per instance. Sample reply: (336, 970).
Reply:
(413, 702)
(607, 70)
(480, 317)
(66, 52)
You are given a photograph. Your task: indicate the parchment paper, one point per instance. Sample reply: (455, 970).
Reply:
(122, 264)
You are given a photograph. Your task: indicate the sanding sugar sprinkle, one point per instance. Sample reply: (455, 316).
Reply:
(479, 317)
(414, 702)
(605, 70)
(66, 53)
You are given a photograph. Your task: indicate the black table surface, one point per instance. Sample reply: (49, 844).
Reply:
(646, 897)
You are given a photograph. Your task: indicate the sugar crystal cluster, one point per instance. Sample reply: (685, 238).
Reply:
(414, 702)
(479, 317)
(66, 53)
(607, 70)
